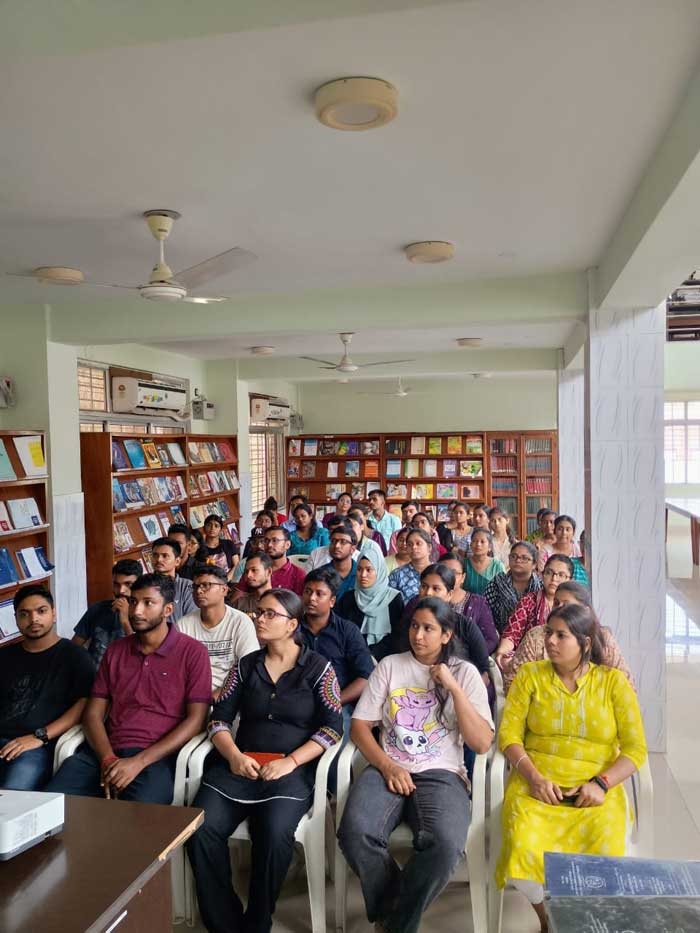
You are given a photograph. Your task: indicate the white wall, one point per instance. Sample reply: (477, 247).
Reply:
(501, 403)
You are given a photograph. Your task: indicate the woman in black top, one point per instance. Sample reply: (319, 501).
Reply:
(288, 699)
(218, 550)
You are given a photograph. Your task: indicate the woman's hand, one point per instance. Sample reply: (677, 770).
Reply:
(441, 674)
(587, 795)
(397, 779)
(274, 770)
(546, 791)
(245, 767)
(504, 653)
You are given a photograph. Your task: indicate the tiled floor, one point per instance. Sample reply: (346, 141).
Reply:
(676, 776)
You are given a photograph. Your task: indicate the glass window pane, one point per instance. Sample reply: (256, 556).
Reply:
(693, 411)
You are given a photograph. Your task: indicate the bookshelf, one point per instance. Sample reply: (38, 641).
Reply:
(24, 525)
(136, 486)
(323, 467)
(514, 470)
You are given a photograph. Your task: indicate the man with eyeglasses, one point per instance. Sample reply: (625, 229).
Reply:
(226, 633)
(340, 551)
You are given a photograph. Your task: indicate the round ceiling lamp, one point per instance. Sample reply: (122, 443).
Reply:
(469, 341)
(356, 103)
(262, 351)
(429, 251)
(58, 275)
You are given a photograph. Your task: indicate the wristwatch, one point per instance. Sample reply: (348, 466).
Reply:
(601, 781)
(42, 735)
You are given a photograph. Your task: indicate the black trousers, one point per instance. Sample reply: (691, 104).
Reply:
(272, 824)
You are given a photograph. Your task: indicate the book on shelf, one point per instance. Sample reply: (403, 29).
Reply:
(354, 449)
(132, 494)
(342, 448)
(226, 452)
(538, 464)
(352, 468)
(204, 484)
(332, 469)
(325, 449)
(176, 454)
(308, 469)
(149, 491)
(204, 451)
(134, 452)
(192, 487)
(417, 446)
(299, 491)
(430, 468)
(446, 491)
(165, 521)
(443, 513)
(33, 562)
(151, 527)
(30, 451)
(216, 481)
(371, 469)
(411, 468)
(232, 530)
(333, 490)
(5, 523)
(454, 444)
(422, 491)
(146, 558)
(8, 571)
(178, 515)
(310, 447)
(473, 445)
(6, 469)
(538, 445)
(293, 469)
(449, 468)
(122, 537)
(164, 455)
(434, 446)
(394, 446)
(8, 623)
(504, 464)
(151, 455)
(397, 491)
(357, 491)
(471, 468)
(119, 461)
(370, 448)
(395, 509)
(168, 488)
(232, 479)
(472, 492)
(25, 513)
(504, 445)
(393, 468)
(118, 502)
(294, 447)
(193, 450)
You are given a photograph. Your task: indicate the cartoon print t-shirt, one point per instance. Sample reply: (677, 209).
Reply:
(400, 695)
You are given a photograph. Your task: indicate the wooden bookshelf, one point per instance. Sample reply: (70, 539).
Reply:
(514, 470)
(198, 480)
(16, 539)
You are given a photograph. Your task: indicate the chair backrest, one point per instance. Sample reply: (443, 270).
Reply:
(299, 560)
(497, 681)
(640, 793)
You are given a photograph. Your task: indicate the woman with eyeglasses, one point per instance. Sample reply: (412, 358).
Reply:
(533, 647)
(534, 608)
(572, 733)
(504, 591)
(288, 700)
(481, 566)
(565, 543)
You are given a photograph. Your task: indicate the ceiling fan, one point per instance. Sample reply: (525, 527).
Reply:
(402, 391)
(162, 285)
(346, 365)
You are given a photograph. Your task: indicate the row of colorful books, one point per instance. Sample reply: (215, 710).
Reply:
(433, 491)
(210, 452)
(218, 507)
(453, 444)
(306, 469)
(31, 561)
(437, 468)
(538, 484)
(313, 447)
(151, 490)
(133, 454)
(16, 514)
(212, 481)
(502, 464)
(156, 524)
(30, 450)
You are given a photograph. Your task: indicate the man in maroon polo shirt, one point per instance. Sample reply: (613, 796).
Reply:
(156, 687)
(285, 574)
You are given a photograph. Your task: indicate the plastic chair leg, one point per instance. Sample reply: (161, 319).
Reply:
(341, 890)
(316, 877)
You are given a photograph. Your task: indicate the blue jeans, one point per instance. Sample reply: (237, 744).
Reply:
(80, 775)
(28, 772)
(438, 814)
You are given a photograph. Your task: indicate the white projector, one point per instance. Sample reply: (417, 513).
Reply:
(27, 817)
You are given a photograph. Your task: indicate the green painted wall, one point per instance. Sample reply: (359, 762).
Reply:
(23, 358)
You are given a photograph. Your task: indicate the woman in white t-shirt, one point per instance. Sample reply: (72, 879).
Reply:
(427, 704)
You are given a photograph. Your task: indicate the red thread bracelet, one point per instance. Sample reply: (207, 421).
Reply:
(291, 755)
(108, 759)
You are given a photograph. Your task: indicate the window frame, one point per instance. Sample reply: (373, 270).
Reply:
(684, 424)
(273, 481)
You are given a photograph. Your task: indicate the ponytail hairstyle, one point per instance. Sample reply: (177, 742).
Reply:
(496, 512)
(582, 623)
(446, 618)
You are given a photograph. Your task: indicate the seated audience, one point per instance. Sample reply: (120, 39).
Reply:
(409, 507)
(343, 504)
(502, 537)
(532, 647)
(364, 534)
(374, 606)
(108, 619)
(226, 633)
(165, 555)
(360, 513)
(217, 549)
(504, 591)
(263, 520)
(406, 579)
(571, 731)
(285, 575)
(469, 604)
(386, 523)
(424, 521)
(481, 566)
(271, 505)
(321, 555)
(308, 533)
(333, 637)
(480, 517)
(444, 528)
(533, 608)
(564, 543)
(287, 699)
(426, 703)
(183, 535)
(254, 545)
(294, 501)
(400, 555)
(543, 535)
(460, 528)
(257, 576)
(137, 720)
(44, 685)
(340, 551)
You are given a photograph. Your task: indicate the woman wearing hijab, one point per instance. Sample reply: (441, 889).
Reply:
(373, 605)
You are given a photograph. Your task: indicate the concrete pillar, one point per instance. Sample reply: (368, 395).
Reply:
(624, 460)
(570, 420)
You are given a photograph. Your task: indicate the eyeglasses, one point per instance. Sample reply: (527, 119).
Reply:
(556, 574)
(274, 540)
(520, 558)
(271, 614)
(205, 587)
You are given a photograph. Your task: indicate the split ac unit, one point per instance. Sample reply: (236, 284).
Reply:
(269, 409)
(140, 397)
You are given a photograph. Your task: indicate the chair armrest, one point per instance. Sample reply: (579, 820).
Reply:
(181, 767)
(497, 680)
(67, 745)
(321, 782)
(643, 802)
(499, 770)
(344, 774)
(196, 769)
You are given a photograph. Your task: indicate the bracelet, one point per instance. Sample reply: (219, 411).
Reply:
(519, 760)
(108, 759)
(296, 763)
(601, 781)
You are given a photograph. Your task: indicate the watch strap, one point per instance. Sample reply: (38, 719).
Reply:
(601, 782)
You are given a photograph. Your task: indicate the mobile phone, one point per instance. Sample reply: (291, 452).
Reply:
(568, 801)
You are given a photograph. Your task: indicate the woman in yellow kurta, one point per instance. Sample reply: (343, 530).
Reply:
(572, 733)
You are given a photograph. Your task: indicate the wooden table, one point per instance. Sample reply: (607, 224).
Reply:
(107, 871)
(690, 508)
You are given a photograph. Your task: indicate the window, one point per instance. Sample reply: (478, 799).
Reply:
(92, 388)
(682, 441)
(266, 465)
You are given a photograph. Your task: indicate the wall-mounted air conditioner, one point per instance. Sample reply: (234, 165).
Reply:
(141, 397)
(274, 410)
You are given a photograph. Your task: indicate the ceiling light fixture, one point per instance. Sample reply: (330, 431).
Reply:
(262, 351)
(428, 251)
(58, 275)
(468, 341)
(356, 103)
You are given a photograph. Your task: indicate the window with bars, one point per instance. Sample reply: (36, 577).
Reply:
(266, 465)
(682, 441)
(92, 388)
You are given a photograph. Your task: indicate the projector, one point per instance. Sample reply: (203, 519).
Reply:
(27, 817)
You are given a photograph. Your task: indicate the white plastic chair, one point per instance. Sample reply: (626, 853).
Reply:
(352, 762)
(310, 834)
(640, 793)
